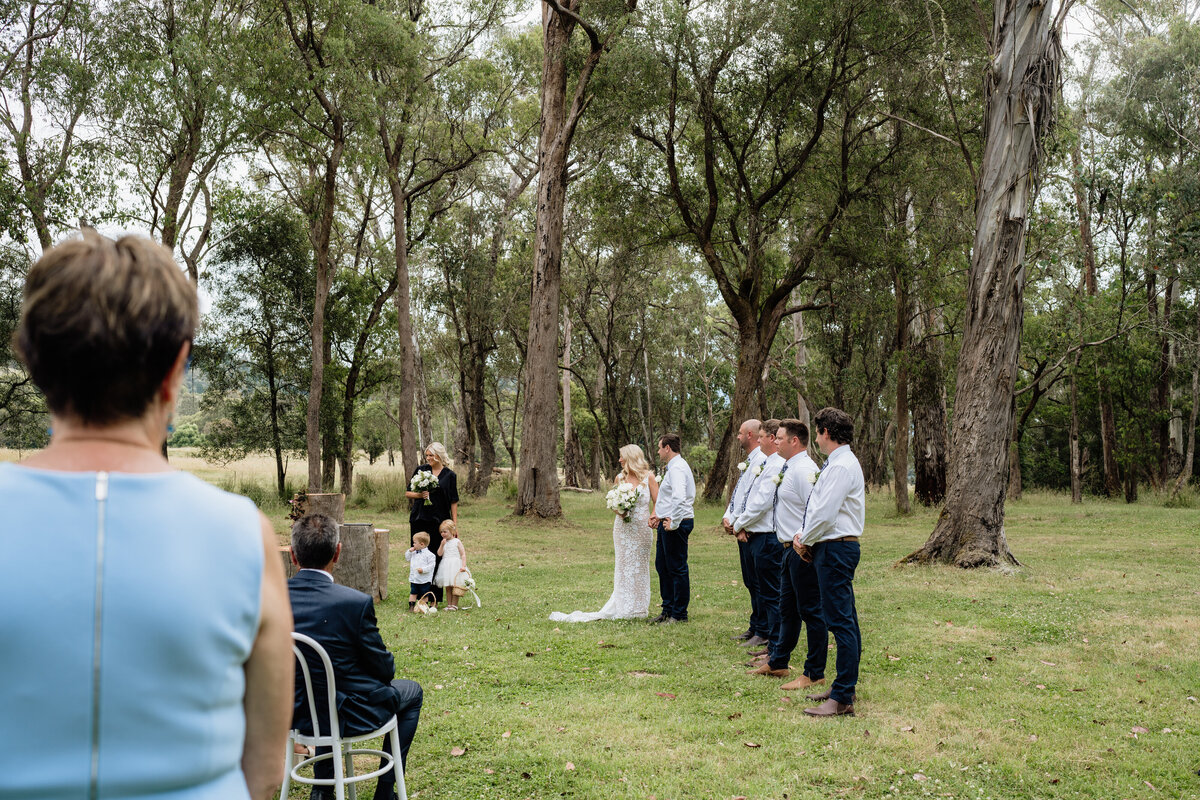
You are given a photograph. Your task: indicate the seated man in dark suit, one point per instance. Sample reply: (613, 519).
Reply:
(342, 620)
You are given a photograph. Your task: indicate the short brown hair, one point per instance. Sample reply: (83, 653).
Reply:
(670, 440)
(102, 323)
(836, 423)
(315, 539)
(795, 428)
(770, 427)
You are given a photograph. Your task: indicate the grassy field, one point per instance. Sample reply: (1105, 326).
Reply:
(1076, 676)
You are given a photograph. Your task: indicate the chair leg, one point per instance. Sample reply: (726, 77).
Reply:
(339, 772)
(353, 787)
(287, 764)
(401, 786)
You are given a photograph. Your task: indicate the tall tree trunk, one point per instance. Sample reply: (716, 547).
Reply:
(928, 393)
(424, 414)
(1185, 474)
(750, 359)
(900, 452)
(571, 465)
(537, 476)
(1076, 464)
(410, 455)
(801, 359)
(322, 231)
(1022, 87)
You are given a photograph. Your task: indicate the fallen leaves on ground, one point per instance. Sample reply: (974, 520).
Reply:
(457, 751)
(752, 744)
(667, 695)
(569, 766)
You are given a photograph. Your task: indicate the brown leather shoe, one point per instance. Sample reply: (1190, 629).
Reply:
(765, 669)
(803, 682)
(831, 708)
(755, 641)
(757, 653)
(819, 697)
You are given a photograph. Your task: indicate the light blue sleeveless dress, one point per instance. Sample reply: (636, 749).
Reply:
(128, 607)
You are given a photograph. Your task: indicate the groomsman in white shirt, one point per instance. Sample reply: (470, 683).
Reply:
(799, 597)
(673, 517)
(747, 437)
(757, 524)
(833, 524)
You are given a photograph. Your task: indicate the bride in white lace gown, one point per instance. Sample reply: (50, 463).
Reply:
(632, 541)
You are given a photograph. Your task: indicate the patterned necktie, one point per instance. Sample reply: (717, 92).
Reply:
(750, 488)
(775, 500)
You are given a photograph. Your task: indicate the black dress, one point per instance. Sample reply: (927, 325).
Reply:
(428, 515)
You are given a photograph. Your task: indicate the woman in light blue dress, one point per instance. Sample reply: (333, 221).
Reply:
(144, 644)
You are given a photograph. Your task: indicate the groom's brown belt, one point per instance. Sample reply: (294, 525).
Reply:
(843, 539)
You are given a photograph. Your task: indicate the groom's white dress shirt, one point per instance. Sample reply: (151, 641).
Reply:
(756, 517)
(677, 494)
(793, 495)
(745, 481)
(837, 506)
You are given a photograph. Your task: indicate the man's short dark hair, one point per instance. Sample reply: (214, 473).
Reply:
(314, 541)
(670, 440)
(770, 426)
(795, 428)
(836, 423)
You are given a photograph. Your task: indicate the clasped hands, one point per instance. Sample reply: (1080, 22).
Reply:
(653, 522)
(741, 536)
(802, 550)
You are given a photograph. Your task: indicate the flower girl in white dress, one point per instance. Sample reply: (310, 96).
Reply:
(632, 545)
(454, 561)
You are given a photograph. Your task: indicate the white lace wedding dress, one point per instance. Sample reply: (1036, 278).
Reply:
(632, 542)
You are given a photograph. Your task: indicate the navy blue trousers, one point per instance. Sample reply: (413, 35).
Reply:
(670, 561)
(768, 569)
(405, 703)
(758, 617)
(835, 563)
(800, 606)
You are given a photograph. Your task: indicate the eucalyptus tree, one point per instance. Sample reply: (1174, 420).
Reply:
(172, 111)
(306, 100)
(763, 127)
(251, 345)
(1022, 85)
(51, 62)
(537, 476)
(435, 107)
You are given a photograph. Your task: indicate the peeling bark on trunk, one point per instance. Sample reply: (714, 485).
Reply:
(537, 476)
(1022, 87)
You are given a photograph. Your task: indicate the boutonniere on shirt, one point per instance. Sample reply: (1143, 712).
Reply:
(778, 479)
(759, 469)
(659, 478)
(813, 478)
(743, 466)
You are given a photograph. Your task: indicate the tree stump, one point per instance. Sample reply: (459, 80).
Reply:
(382, 540)
(357, 565)
(330, 504)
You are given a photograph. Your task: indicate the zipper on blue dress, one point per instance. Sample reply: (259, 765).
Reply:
(101, 502)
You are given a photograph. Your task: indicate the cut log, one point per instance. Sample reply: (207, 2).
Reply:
(357, 566)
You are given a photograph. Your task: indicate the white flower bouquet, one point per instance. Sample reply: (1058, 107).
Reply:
(423, 481)
(621, 499)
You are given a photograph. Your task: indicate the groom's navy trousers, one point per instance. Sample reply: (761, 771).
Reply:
(835, 562)
(800, 606)
(670, 561)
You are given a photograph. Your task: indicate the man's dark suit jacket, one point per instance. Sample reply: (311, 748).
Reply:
(342, 620)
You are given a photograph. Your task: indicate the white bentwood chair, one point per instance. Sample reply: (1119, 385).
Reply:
(343, 750)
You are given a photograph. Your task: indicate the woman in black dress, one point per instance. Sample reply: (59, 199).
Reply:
(430, 509)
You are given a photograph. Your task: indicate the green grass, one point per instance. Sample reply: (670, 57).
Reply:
(973, 684)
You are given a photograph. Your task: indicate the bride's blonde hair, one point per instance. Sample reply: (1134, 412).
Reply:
(635, 462)
(439, 450)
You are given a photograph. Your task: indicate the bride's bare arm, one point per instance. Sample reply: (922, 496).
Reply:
(653, 489)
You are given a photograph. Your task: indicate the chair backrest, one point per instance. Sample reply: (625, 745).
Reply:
(331, 692)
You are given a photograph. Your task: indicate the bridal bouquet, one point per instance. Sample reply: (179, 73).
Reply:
(621, 499)
(423, 481)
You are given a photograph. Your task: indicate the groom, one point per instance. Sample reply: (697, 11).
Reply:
(673, 519)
